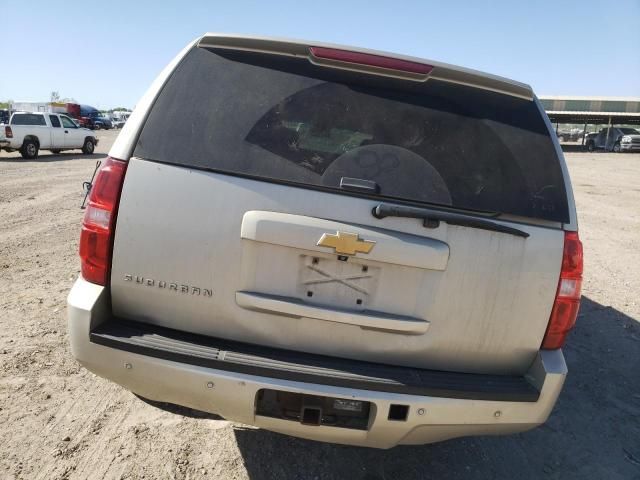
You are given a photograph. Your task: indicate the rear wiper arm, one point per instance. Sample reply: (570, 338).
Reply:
(432, 218)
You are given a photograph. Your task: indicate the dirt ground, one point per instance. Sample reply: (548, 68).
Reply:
(59, 421)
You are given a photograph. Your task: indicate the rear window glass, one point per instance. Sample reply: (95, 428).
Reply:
(28, 119)
(287, 120)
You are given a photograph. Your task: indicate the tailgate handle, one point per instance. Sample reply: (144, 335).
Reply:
(366, 319)
(302, 232)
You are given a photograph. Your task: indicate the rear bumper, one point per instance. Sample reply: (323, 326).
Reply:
(440, 407)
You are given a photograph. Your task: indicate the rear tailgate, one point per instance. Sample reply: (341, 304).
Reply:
(233, 223)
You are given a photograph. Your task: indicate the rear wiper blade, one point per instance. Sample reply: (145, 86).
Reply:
(432, 218)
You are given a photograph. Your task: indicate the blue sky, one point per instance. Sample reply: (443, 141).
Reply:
(107, 53)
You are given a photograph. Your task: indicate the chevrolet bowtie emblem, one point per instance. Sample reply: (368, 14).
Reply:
(345, 243)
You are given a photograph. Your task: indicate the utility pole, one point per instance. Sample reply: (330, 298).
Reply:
(606, 142)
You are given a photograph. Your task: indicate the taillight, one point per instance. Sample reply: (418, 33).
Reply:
(567, 302)
(98, 225)
(8, 132)
(371, 60)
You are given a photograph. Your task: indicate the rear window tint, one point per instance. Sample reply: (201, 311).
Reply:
(28, 119)
(287, 120)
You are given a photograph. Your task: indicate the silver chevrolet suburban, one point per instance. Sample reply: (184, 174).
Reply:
(334, 243)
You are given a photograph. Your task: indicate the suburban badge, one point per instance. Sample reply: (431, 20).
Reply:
(170, 286)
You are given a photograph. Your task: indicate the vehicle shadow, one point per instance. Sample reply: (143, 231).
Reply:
(14, 157)
(594, 431)
(179, 409)
(573, 147)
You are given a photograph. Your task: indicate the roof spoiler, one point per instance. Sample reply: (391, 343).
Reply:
(303, 49)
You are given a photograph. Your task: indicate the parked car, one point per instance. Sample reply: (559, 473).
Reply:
(610, 139)
(370, 249)
(117, 122)
(120, 115)
(630, 141)
(31, 132)
(569, 135)
(4, 116)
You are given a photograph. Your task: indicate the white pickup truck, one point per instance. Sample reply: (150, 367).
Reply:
(31, 132)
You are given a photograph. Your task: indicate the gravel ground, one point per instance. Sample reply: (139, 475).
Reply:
(60, 421)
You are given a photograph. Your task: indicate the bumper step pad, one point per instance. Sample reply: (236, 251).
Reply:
(193, 349)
